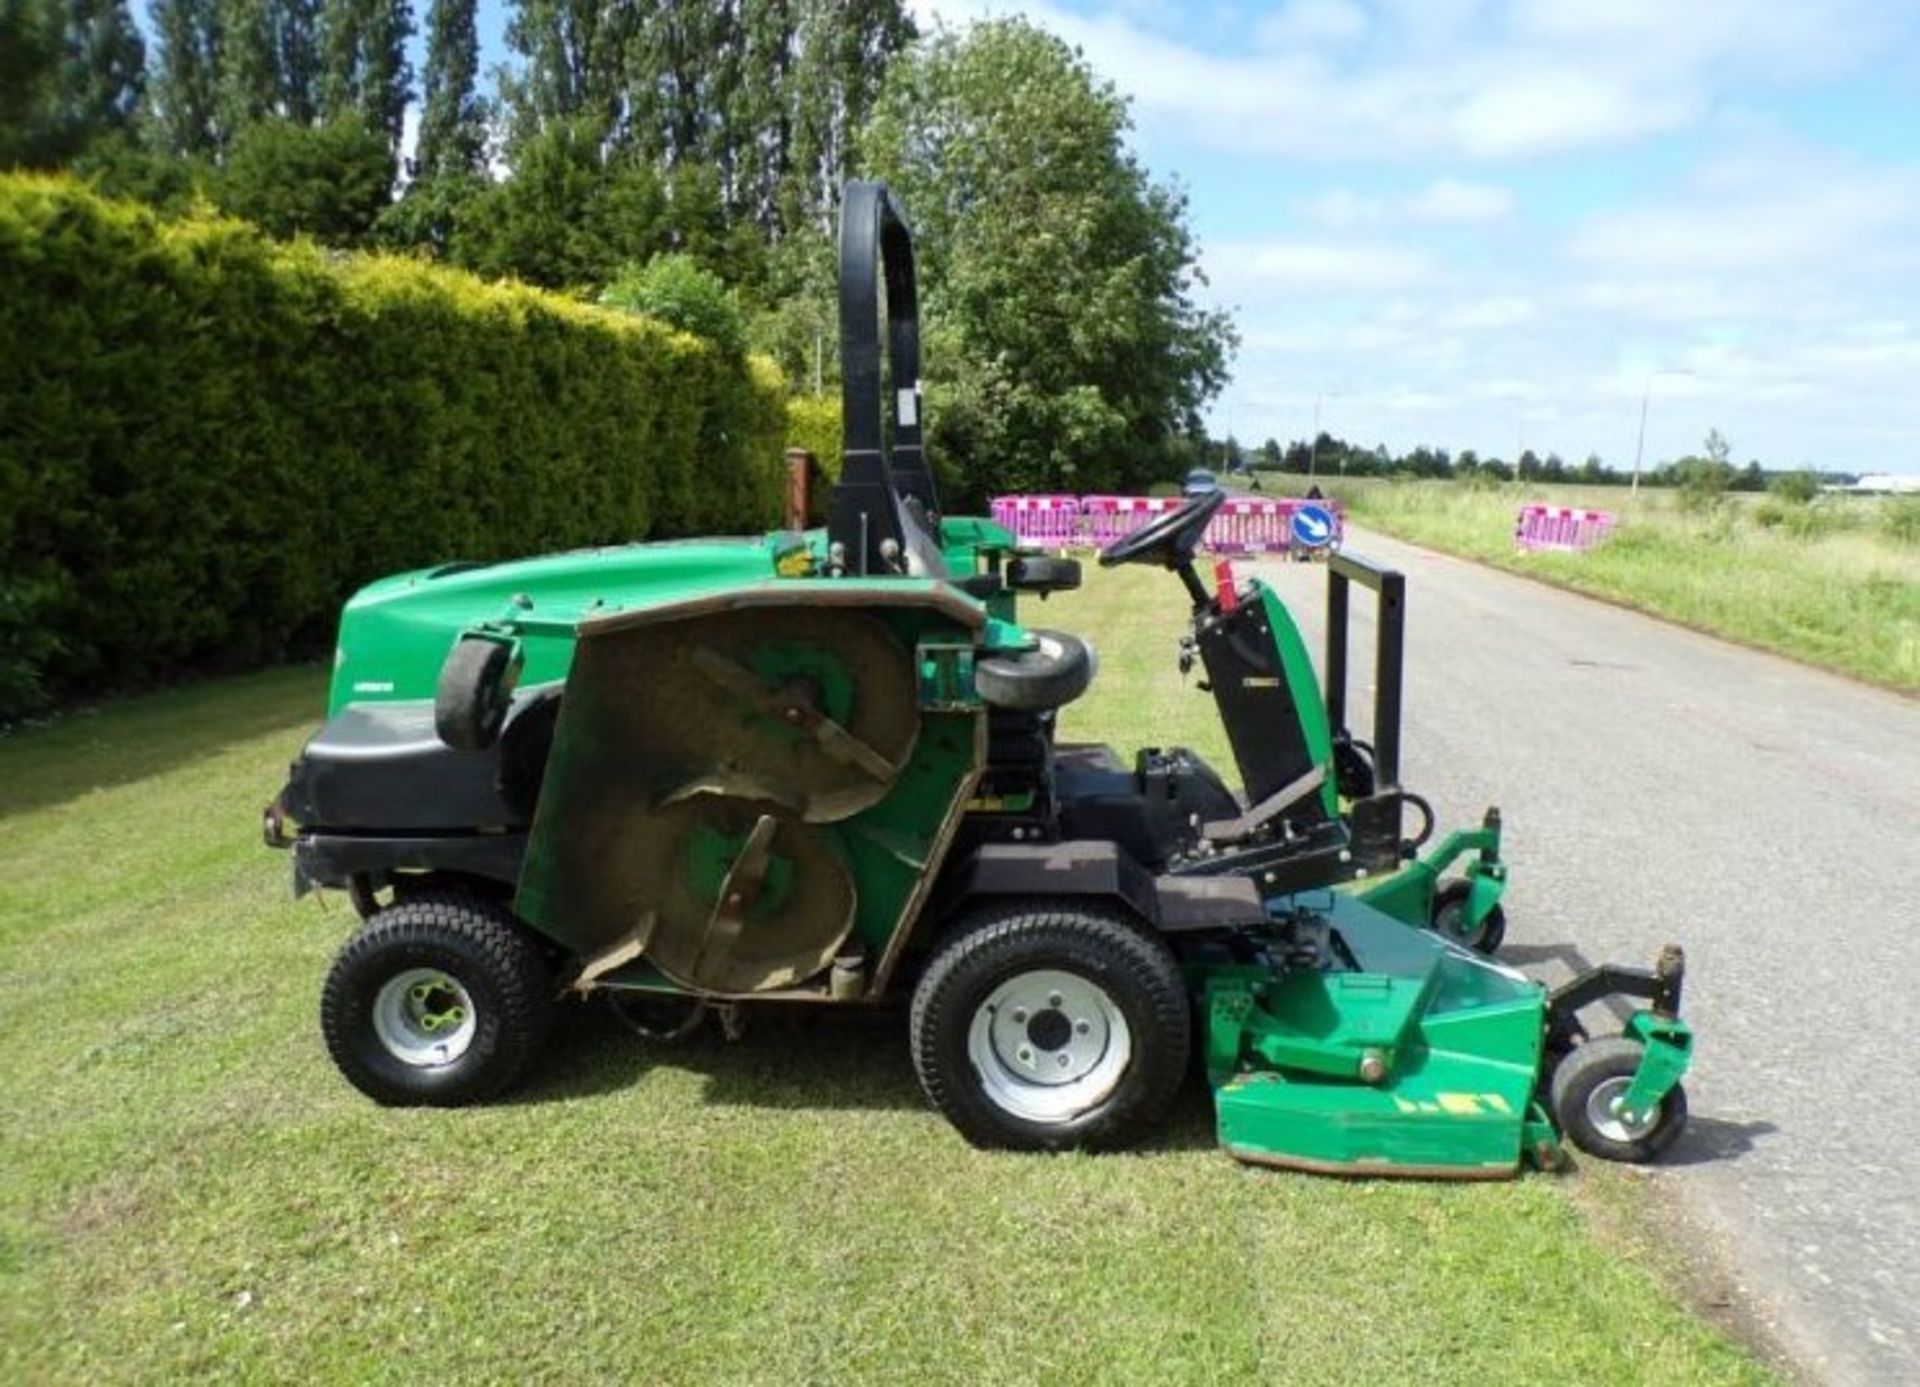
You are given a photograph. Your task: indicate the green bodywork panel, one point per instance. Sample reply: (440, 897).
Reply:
(1304, 689)
(395, 633)
(1668, 1053)
(1456, 1040)
(1408, 895)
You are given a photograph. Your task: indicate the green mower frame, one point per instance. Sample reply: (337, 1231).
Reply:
(821, 767)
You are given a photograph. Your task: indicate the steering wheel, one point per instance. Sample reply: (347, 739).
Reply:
(1170, 539)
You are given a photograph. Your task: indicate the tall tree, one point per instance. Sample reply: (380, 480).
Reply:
(573, 64)
(452, 121)
(1066, 344)
(297, 57)
(104, 70)
(247, 85)
(363, 63)
(184, 86)
(29, 57)
(71, 73)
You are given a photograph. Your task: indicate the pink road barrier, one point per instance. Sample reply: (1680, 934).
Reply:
(1565, 529)
(1250, 527)
(1242, 525)
(1050, 521)
(1107, 518)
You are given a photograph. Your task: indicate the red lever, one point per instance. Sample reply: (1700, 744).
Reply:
(1223, 581)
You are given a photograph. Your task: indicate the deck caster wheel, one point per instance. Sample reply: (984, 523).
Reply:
(439, 1001)
(1051, 675)
(663, 1018)
(1041, 1027)
(1450, 921)
(1587, 1089)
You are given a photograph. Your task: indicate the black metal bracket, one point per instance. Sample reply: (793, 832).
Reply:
(1343, 570)
(886, 490)
(1659, 986)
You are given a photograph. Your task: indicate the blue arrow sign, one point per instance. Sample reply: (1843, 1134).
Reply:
(1313, 527)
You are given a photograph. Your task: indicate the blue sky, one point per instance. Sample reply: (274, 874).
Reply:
(1497, 223)
(1490, 223)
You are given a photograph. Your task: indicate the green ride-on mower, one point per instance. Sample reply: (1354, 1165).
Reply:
(820, 767)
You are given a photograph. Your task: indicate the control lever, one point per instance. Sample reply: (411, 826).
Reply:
(1189, 652)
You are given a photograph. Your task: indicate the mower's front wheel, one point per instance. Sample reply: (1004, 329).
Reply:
(439, 1000)
(1044, 1026)
(1450, 920)
(1588, 1086)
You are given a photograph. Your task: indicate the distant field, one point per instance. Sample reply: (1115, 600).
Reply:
(188, 1190)
(1835, 582)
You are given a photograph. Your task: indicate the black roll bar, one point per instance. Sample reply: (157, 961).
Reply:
(1389, 656)
(885, 484)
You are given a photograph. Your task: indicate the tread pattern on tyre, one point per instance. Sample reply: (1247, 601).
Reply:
(1493, 929)
(1609, 1057)
(1029, 682)
(514, 1020)
(468, 706)
(1005, 937)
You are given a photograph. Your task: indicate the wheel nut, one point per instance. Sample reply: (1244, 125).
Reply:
(1056, 1001)
(1020, 1016)
(1083, 1026)
(1063, 1061)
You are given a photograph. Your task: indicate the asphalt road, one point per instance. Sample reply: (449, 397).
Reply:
(1657, 785)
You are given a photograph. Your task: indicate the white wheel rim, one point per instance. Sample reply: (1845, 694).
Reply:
(1603, 1112)
(424, 1017)
(1049, 1045)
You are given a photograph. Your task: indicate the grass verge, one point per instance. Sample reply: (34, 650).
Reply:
(186, 1187)
(1835, 583)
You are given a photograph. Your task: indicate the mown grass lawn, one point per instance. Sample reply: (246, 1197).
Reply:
(186, 1187)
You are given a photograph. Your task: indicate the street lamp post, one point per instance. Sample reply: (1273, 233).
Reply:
(1640, 440)
(1313, 444)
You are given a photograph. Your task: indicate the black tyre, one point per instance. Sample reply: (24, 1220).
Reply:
(440, 1000)
(1042, 573)
(1041, 1026)
(1450, 920)
(1587, 1085)
(1050, 676)
(661, 1017)
(470, 703)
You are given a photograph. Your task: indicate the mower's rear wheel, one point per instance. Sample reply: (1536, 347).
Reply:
(1587, 1088)
(439, 1000)
(1045, 1026)
(1450, 920)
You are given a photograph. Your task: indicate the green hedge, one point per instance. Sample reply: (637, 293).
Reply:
(208, 438)
(813, 423)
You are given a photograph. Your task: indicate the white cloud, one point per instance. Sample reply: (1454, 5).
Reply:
(1457, 78)
(1544, 110)
(1312, 22)
(1316, 267)
(1443, 202)
(1492, 313)
(1454, 202)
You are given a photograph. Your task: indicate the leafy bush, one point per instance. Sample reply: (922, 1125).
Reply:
(675, 289)
(1900, 519)
(813, 423)
(1797, 488)
(330, 182)
(211, 438)
(1703, 482)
